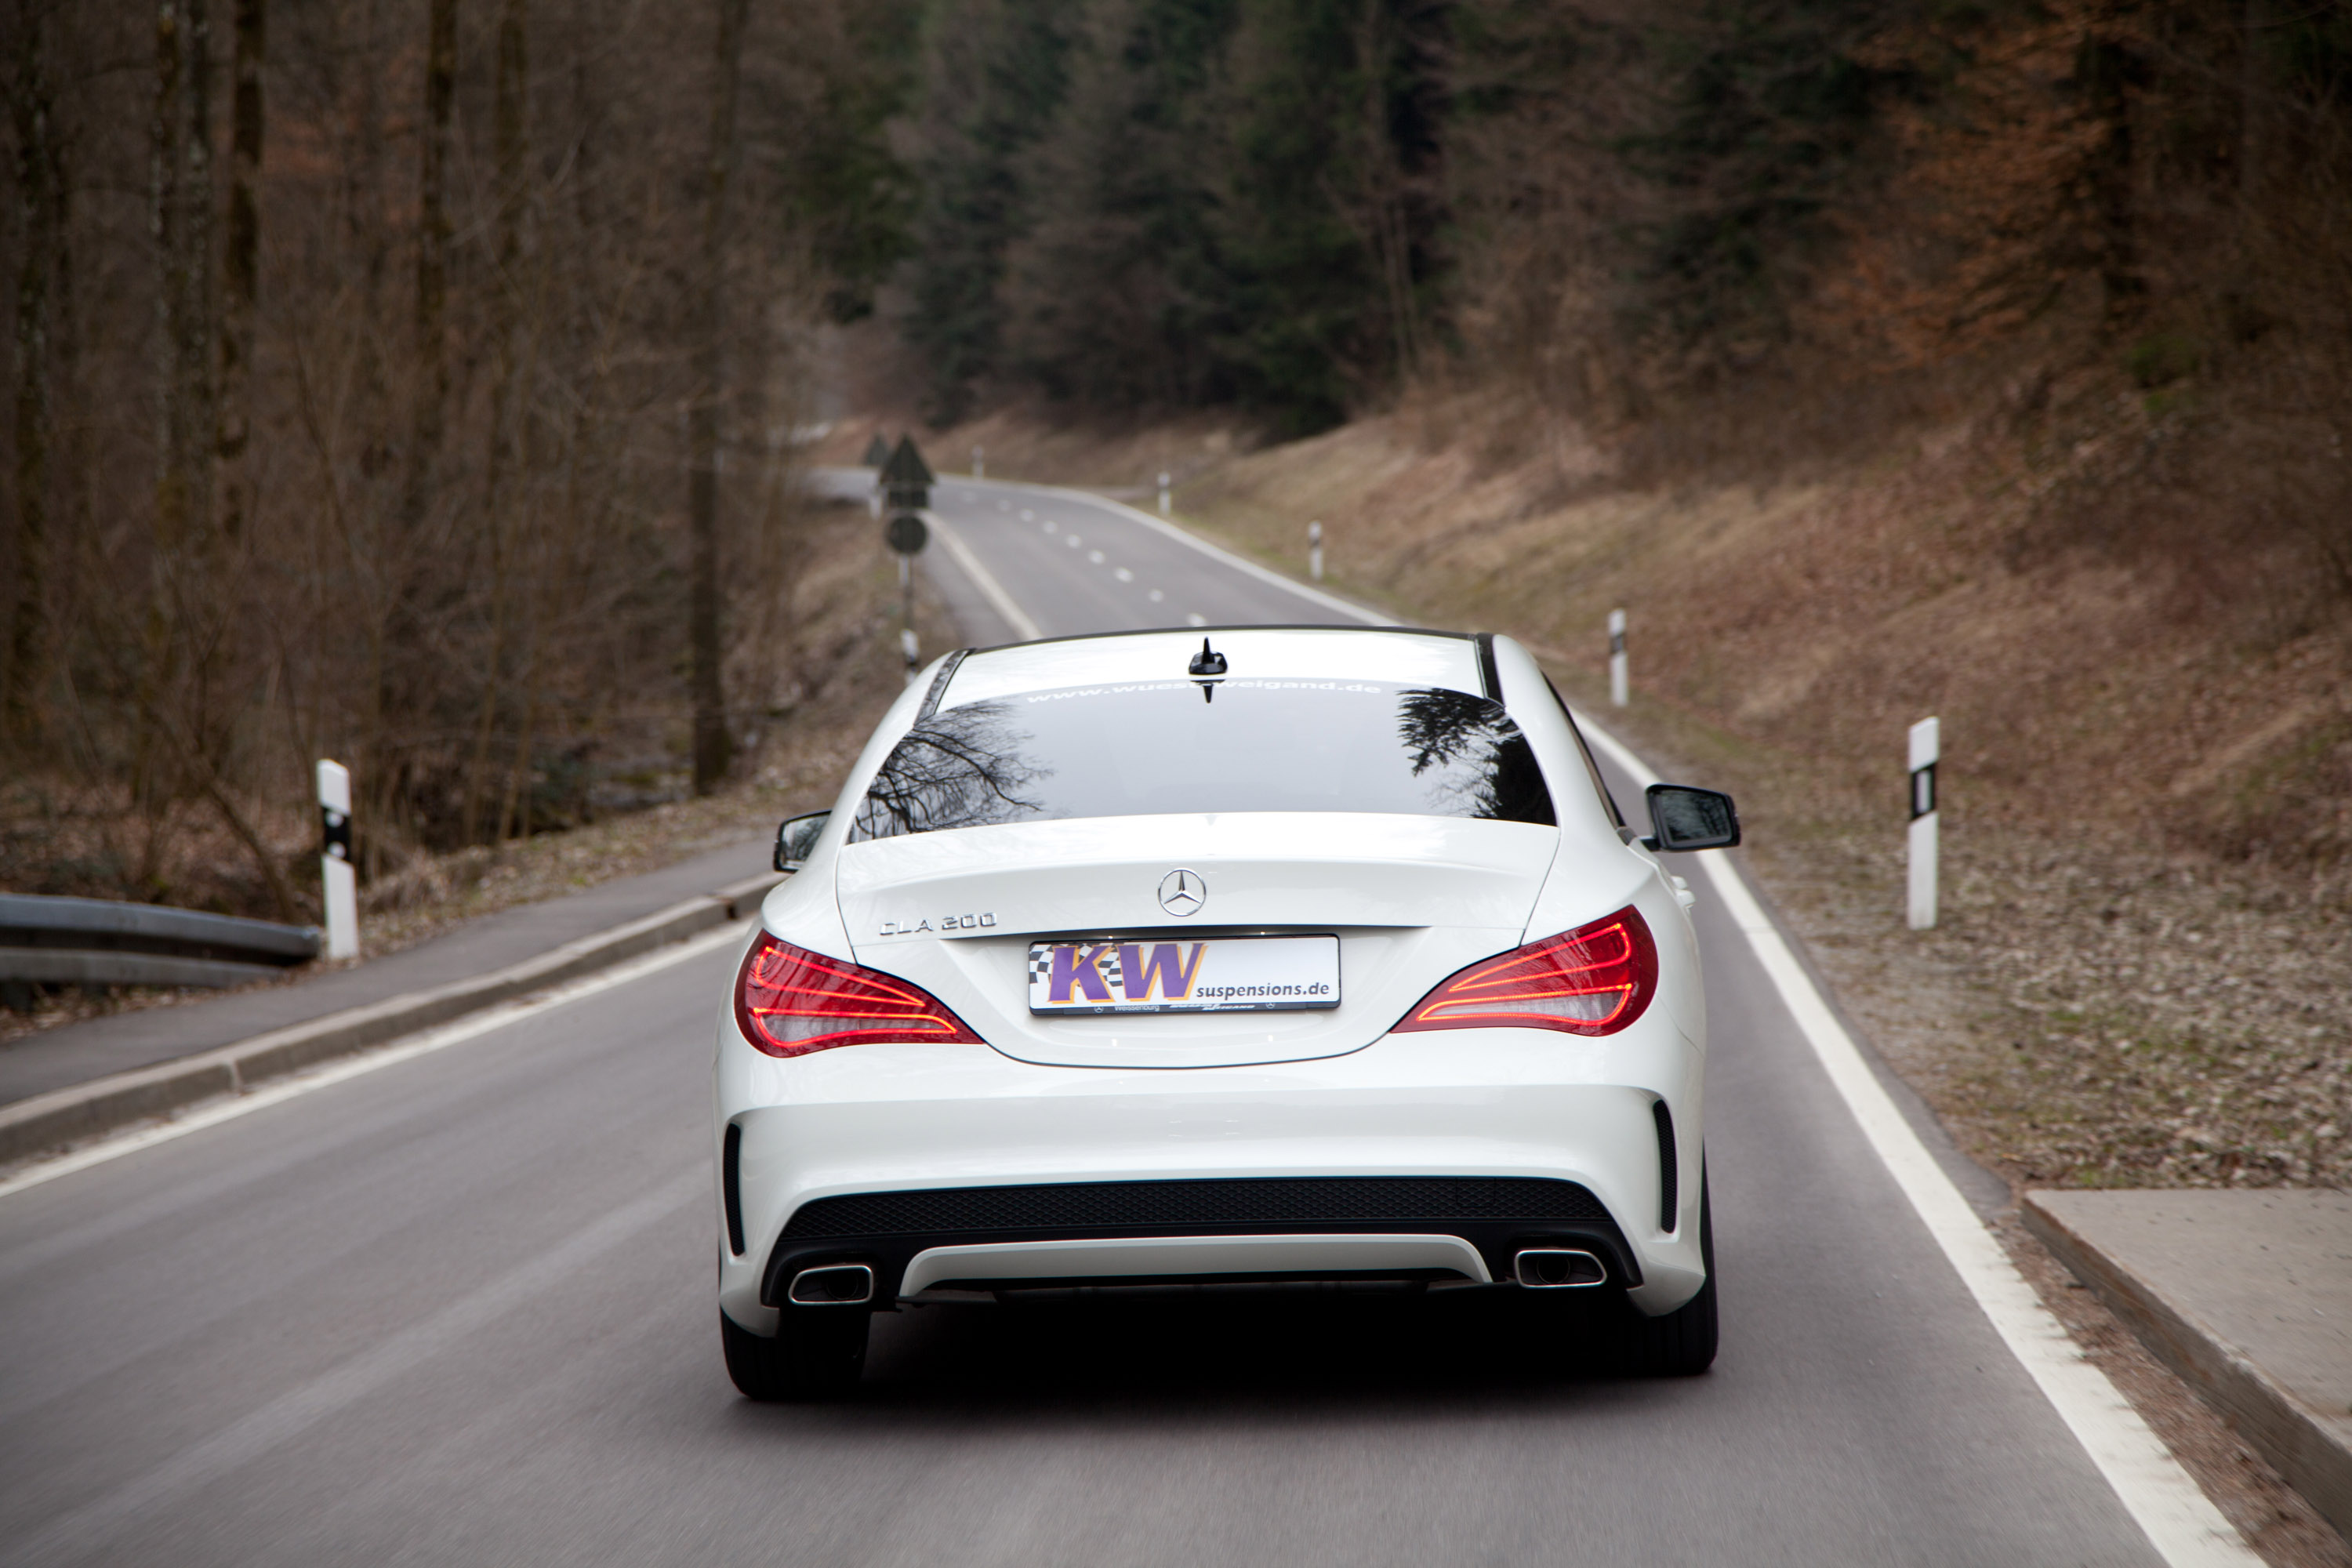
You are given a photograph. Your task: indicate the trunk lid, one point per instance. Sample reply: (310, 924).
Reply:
(1411, 899)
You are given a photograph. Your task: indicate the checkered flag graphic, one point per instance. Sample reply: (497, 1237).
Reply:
(1041, 964)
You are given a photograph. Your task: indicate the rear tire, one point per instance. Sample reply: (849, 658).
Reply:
(818, 1352)
(1681, 1343)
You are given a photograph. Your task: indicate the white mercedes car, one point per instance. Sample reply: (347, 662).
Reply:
(1264, 955)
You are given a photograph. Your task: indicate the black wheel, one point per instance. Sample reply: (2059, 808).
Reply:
(1682, 1342)
(817, 1352)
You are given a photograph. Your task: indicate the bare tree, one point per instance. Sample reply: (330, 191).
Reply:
(433, 231)
(243, 269)
(396, 484)
(40, 201)
(712, 740)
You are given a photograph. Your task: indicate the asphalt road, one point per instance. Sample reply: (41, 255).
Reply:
(458, 1310)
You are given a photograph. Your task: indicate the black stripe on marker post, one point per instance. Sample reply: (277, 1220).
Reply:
(1923, 791)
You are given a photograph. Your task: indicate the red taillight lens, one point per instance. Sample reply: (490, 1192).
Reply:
(791, 1002)
(1594, 979)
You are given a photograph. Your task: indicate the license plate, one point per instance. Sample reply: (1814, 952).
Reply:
(1216, 974)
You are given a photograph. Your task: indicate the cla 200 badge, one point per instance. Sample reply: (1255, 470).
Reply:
(946, 922)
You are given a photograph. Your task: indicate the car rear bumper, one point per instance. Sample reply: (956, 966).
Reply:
(1283, 1227)
(1556, 1115)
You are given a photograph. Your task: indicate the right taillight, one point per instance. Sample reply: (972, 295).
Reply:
(789, 1002)
(1594, 979)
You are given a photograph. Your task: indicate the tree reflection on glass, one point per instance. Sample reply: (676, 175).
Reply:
(963, 768)
(1483, 765)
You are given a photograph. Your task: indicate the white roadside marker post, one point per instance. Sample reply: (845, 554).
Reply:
(1163, 492)
(1620, 684)
(1315, 551)
(1926, 742)
(978, 464)
(335, 867)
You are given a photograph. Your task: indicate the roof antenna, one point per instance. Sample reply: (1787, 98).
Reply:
(1208, 661)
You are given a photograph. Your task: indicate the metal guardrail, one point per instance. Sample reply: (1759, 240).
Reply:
(95, 941)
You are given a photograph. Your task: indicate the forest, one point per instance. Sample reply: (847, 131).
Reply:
(419, 381)
(1302, 204)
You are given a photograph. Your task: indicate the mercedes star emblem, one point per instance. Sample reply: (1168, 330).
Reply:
(1183, 893)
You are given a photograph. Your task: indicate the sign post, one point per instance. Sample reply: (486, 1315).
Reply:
(979, 463)
(1163, 492)
(907, 482)
(335, 860)
(1619, 681)
(1926, 742)
(1315, 551)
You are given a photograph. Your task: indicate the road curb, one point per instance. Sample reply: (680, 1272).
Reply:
(2313, 1460)
(47, 1123)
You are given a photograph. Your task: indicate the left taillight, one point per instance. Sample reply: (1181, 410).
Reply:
(789, 1002)
(1594, 979)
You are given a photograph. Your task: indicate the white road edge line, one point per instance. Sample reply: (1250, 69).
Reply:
(985, 581)
(2179, 1521)
(214, 1113)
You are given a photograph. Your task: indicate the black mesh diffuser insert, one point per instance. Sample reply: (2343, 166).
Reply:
(1285, 1201)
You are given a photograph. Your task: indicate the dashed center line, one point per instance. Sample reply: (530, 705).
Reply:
(1071, 540)
(1157, 596)
(1124, 575)
(1196, 619)
(1096, 556)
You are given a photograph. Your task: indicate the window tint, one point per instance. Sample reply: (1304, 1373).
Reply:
(1207, 746)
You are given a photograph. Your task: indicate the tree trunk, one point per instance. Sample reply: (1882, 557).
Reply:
(169, 528)
(432, 258)
(511, 130)
(712, 743)
(171, 293)
(2254, 96)
(39, 193)
(244, 270)
(199, 310)
(2104, 71)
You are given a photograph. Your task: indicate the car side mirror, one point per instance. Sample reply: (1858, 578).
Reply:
(1681, 817)
(796, 837)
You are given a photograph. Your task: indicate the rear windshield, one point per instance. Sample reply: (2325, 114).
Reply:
(1185, 746)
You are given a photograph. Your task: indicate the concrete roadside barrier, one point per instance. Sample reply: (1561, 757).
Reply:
(2247, 1294)
(46, 1122)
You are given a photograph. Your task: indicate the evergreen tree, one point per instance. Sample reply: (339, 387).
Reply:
(1116, 296)
(996, 79)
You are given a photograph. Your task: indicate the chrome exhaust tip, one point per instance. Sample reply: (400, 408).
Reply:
(833, 1284)
(1558, 1268)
